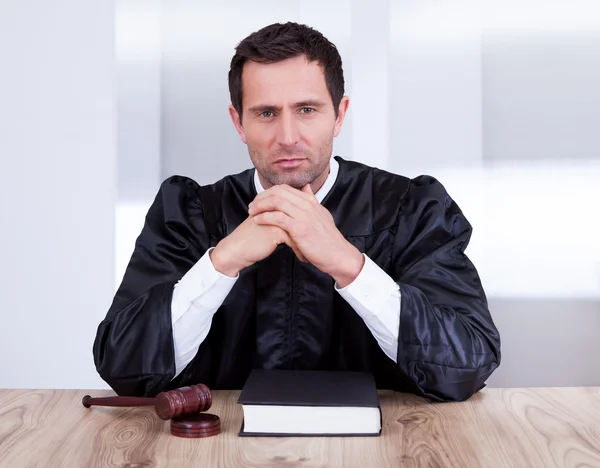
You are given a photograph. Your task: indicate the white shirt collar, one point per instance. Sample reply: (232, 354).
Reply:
(322, 192)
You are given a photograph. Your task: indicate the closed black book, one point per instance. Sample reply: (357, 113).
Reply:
(310, 403)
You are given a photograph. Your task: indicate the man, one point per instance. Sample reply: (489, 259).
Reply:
(303, 262)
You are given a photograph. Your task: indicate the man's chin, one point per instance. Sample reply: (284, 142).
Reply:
(295, 180)
(297, 185)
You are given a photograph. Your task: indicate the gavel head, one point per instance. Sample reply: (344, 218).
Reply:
(183, 401)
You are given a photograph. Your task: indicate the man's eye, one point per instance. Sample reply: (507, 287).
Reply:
(307, 110)
(266, 114)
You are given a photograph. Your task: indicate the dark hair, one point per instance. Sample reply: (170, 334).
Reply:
(278, 42)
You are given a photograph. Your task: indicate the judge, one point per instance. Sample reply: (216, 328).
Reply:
(305, 261)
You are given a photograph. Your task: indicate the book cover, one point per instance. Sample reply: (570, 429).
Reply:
(348, 391)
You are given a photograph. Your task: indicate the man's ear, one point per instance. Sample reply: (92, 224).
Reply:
(235, 118)
(342, 109)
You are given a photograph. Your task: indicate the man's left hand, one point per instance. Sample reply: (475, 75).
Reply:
(312, 228)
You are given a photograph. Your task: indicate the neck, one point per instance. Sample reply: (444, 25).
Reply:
(316, 184)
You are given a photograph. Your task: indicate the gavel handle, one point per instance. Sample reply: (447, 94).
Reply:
(88, 401)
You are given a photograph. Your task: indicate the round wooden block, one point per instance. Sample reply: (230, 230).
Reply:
(195, 435)
(197, 425)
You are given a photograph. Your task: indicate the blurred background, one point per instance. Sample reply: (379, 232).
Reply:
(101, 101)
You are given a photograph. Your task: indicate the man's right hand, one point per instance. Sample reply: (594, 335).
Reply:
(248, 244)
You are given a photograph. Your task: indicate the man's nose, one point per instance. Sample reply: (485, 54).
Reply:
(287, 131)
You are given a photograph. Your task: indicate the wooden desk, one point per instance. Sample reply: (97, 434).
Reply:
(496, 428)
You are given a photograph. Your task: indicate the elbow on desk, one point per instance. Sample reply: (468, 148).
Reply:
(135, 385)
(129, 370)
(451, 384)
(123, 378)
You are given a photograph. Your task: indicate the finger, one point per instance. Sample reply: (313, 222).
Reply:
(295, 196)
(275, 218)
(307, 189)
(275, 203)
(292, 245)
(305, 193)
(285, 237)
(300, 257)
(279, 195)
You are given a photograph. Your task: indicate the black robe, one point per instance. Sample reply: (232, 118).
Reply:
(285, 314)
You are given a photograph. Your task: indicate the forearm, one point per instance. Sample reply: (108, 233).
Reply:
(375, 297)
(196, 298)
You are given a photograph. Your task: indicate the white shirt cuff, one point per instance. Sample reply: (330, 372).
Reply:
(375, 297)
(202, 285)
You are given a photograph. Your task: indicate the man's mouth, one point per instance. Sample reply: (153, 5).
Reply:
(289, 162)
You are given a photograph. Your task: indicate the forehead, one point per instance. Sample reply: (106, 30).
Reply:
(290, 80)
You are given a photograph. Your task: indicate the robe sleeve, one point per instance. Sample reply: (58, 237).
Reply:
(448, 344)
(133, 350)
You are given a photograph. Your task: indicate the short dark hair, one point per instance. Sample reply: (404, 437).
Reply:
(278, 42)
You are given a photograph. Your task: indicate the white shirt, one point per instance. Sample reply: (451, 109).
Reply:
(374, 295)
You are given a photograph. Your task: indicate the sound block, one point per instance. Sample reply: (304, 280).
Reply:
(196, 425)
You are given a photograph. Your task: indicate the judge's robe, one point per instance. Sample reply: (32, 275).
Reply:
(285, 314)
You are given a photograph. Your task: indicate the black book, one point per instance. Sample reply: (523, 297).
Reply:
(310, 403)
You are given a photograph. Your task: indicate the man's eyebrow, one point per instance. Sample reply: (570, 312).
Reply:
(310, 103)
(263, 108)
(269, 108)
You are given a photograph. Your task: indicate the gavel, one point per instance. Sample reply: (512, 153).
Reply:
(183, 406)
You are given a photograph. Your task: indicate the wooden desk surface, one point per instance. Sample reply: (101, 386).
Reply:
(496, 428)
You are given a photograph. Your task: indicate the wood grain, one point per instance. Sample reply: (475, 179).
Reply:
(529, 428)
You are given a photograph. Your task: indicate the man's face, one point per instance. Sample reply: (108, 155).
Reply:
(288, 121)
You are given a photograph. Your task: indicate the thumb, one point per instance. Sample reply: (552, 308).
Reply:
(291, 244)
(307, 189)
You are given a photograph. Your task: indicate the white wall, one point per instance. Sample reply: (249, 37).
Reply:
(57, 190)
(541, 72)
(435, 85)
(138, 74)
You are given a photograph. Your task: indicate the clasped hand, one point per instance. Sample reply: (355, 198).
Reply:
(283, 214)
